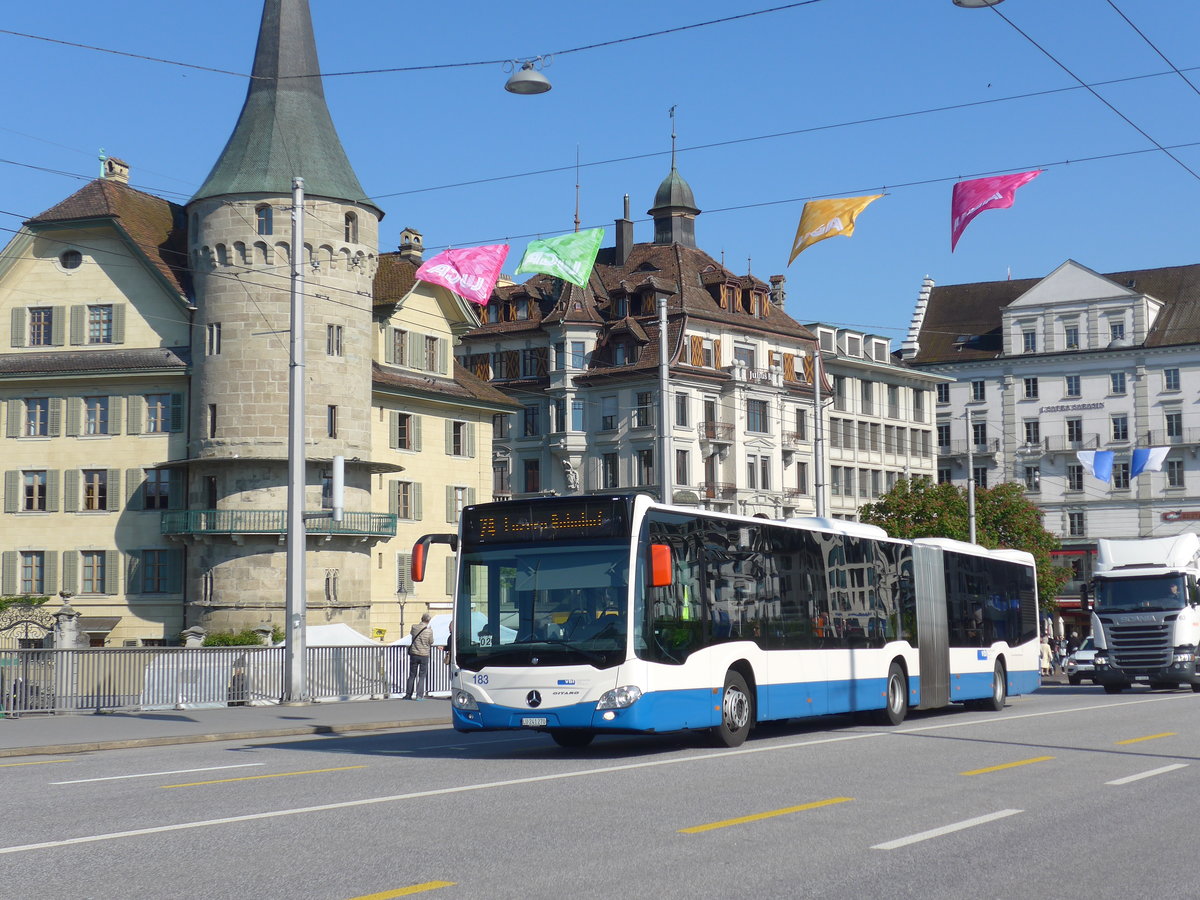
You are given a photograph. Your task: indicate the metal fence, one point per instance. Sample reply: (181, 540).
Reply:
(89, 680)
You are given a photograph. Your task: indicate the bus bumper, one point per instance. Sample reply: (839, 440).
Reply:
(659, 711)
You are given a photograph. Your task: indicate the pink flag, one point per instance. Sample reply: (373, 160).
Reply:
(973, 197)
(471, 272)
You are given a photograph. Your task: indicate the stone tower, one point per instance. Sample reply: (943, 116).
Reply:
(239, 243)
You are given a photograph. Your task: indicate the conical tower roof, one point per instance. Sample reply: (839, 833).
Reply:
(285, 129)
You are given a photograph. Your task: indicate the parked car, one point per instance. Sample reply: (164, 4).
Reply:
(1079, 664)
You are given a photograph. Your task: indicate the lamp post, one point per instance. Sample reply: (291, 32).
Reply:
(295, 605)
(664, 388)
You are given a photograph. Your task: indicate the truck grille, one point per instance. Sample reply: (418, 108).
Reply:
(1141, 647)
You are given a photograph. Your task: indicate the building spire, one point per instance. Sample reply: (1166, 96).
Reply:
(285, 129)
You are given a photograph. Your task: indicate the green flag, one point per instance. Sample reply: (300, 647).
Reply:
(569, 257)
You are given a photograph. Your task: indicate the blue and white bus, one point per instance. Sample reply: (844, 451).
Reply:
(611, 613)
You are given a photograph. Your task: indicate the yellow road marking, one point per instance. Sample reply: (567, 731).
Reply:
(40, 762)
(406, 892)
(1011, 765)
(258, 777)
(742, 820)
(1148, 737)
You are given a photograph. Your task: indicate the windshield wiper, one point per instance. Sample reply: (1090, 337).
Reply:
(571, 645)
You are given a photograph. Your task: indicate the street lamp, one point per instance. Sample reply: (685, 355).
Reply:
(976, 4)
(528, 79)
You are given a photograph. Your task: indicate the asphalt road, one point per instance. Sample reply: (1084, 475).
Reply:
(1066, 786)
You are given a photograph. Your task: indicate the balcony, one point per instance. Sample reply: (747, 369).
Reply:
(1064, 445)
(717, 490)
(1167, 439)
(272, 521)
(959, 448)
(717, 432)
(794, 439)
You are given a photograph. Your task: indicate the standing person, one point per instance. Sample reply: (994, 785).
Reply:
(1047, 659)
(418, 659)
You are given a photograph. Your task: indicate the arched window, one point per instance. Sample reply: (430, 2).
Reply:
(351, 228)
(265, 219)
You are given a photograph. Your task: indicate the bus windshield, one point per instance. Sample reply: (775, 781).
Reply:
(542, 604)
(1153, 593)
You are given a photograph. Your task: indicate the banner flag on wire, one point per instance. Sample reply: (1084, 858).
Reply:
(822, 219)
(1097, 463)
(471, 272)
(970, 198)
(1147, 459)
(569, 256)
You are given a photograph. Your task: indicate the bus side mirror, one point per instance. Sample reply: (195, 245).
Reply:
(420, 552)
(661, 565)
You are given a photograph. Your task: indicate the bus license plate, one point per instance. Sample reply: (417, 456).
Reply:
(534, 723)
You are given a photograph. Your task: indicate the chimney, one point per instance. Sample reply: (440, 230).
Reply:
(412, 246)
(778, 294)
(116, 170)
(624, 236)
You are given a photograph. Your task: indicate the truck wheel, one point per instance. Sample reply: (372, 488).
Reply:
(897, 697)
(1113, 688)
(1074, 679)
(737, 711)
(1196, 688)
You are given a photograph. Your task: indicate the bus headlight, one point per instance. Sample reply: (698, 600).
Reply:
(463, 700)
(620, 698)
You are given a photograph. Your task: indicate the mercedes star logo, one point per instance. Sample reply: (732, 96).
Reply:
(534, 698)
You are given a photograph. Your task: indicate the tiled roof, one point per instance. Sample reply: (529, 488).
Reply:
(394, 278)
(155, 225)
(974, 311)
(464, 386)
(95, 362)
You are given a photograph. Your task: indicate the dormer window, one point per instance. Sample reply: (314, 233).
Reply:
(1029, 341)
(853, 346)
(620, 307)
(1116, 331)
(264, 219)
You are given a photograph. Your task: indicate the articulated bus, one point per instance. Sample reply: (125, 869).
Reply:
(578, 616)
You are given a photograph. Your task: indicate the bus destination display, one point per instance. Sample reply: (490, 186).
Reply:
(507, 523)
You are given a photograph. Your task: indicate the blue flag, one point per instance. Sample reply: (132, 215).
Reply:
(1097, 463)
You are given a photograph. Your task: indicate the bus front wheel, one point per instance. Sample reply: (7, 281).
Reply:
(736, 711)
(999, 688)
(897, 697)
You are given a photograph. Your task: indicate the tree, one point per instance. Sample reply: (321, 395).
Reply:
(1003, 518)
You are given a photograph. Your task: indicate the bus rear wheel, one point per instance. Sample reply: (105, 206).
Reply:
(897, 697)
(736, 711)
(572, 739)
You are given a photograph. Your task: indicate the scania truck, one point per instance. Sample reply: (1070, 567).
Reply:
(1146, 612)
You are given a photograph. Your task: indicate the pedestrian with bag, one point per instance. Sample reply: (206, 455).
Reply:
(418, 660)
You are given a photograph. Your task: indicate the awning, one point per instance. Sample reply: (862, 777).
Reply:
(97, 624)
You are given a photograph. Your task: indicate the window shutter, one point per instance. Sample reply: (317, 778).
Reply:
(450, 575)
(450, 503)
(55, 417)
(789, 367)
(133, 573)
(70, 571)
(416, 350)
(697, 349)
(717, 353)
(18, 327)
(512, 364)
(8, 572)
(404, 573)
(16, 412)
(394, 431)
(177, 412)
(393, 497)
(175, 492)
(416, 500)
(71, 491)
(808, 370)
(52, 484)
(441, 356)
(541, 360)
(174, 571)
(74, 415)
(118, 323)
(50, 572)
(414, 432)
(133, 489)
(137, 415)
(114, 415)
(471, 439)
(77, 314)
(449, 438)
(58, 325)
(12, 495)
(113, 503)
(470, 496)
(112, 581)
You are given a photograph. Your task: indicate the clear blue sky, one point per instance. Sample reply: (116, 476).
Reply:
(818, 66)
